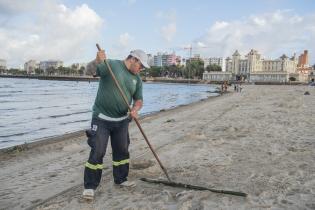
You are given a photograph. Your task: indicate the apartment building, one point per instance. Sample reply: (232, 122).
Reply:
(157, 59)
(44, 65)
(165, 59)
(213, 60)
(3, 64)
(304, 68)
(150, 59)
(30, 66)
(303, 59)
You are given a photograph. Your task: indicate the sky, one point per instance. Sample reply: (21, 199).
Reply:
(68, 30)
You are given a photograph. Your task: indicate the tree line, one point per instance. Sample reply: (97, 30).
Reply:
(193, 70)
(50, 71)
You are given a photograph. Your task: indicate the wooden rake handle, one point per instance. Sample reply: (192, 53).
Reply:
(135, 119)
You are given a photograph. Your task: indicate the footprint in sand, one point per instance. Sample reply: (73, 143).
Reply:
(143, 164)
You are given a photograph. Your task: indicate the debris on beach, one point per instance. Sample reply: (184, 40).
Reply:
(170, 120)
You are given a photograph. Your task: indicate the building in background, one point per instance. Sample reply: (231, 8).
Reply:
(279, 70)
(165, 59)
(157, 59)
(213, 60)
(195, 57)
(241, 67)
(218, 76)
(311, 75)
(77, 66)
(150, 59)
(3, 65)
(304, 68)
(30, 66)
(44, 65)
(256, 69)
(171, 59)
(303, 59)
(178, 60)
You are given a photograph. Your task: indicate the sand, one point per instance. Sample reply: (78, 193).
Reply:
(260, 141)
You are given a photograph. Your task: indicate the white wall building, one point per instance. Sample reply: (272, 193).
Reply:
(77, 66)
(311, 75)
(255, 68)
(213, 60)
(30, 66)
(3, 64)
(157, 59)
(217, 76)
(44, 65)
(150, 60)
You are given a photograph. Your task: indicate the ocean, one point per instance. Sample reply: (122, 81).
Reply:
(32, 109)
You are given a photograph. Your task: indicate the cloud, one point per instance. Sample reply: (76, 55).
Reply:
(125, 39)
(122, 46)
(168, 30)
(219, 25)
(272, 34)
(200, 44)
(53, 31)
(15, 6)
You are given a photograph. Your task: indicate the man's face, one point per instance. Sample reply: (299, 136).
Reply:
(136, 66)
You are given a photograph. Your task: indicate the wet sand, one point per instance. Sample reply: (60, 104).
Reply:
(260, 142)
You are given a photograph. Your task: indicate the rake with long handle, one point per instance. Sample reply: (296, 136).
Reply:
(169, 182)
(135, 119)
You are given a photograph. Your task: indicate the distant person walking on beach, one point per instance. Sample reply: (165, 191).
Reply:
(110, 117)
(225, 86)
(222, 88)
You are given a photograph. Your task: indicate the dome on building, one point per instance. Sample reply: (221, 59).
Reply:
(236, 53)
(284, 57)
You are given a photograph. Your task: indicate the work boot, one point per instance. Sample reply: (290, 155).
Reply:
(127, 184)
(88, 194)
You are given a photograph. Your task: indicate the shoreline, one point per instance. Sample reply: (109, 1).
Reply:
(147, 80)
(96, 79)
(21, 142)
(81, 133)
(57, 78)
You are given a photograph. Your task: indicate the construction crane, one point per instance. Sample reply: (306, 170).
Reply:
(190, 48)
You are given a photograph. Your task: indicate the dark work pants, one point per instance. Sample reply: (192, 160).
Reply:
(97, 139)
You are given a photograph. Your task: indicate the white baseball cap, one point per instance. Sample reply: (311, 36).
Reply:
(141, 56)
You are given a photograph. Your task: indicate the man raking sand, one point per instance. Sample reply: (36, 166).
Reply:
(110, 118)
(98, 138)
